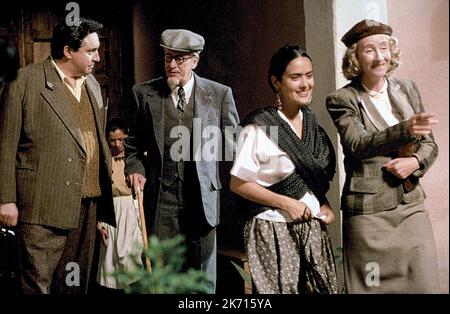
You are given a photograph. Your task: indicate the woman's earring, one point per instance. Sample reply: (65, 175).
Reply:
(278, 101)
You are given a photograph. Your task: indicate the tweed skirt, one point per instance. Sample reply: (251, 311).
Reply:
(290, 258)
(390, 251)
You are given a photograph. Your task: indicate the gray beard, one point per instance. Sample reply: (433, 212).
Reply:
(173, 82)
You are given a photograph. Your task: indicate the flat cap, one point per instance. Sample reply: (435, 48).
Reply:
(363, 29)
(182, 40)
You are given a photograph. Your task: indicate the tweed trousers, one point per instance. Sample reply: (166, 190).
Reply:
(58, 261)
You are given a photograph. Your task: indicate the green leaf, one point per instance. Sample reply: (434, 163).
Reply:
(167, 276)
(246, 276)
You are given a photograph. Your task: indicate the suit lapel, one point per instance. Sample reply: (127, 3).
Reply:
(203, 102)
(156, 101)
(94, 91)
(56, 98)
(94, 94)
(370, 109)
(205, 110)
(399, 99)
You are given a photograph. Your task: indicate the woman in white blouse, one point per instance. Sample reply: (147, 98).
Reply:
(283, 167)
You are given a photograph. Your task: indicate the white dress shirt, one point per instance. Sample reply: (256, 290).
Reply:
(382, 103)
(75, 90)
(188, 87)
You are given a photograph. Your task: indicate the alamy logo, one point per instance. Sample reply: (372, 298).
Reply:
(73, 277)
(373, 13)
(211, 143)
(73, 17)
(373, 275)
(206, 142)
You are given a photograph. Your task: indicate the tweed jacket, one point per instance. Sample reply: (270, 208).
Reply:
(368, 143)
(213, 105)
(42, 150)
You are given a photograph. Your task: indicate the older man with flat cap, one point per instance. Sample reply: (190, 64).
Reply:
(388, 144)
(181, 184)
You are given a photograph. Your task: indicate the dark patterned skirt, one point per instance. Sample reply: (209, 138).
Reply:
(290, 258)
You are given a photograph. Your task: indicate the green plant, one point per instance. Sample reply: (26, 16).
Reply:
(246, 276)
(167, 275)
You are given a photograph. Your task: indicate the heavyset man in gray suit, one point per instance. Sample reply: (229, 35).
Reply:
(55, 171)
(181, 193)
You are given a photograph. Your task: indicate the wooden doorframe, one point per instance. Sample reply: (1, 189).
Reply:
(117, 77)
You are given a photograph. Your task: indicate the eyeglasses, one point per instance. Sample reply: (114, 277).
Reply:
(178, 59)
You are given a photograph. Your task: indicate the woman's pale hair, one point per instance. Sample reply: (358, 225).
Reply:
(350, 64)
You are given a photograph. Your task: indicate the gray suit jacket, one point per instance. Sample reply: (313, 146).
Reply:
(214, 105)
(368, 143)
(42, 151)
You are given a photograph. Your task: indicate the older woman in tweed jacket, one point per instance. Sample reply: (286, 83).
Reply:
(388, 146)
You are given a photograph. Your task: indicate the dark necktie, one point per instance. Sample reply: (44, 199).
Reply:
(181, 100)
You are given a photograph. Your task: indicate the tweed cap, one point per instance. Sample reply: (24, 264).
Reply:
(363, 29)
(182, 40)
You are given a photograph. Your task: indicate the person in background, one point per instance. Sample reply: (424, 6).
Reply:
(388, 145)
(181, 184)
(284, 178)
(55, 164)
(121, 246)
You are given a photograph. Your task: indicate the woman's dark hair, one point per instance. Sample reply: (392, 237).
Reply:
(281, 59)
(72, 36)
(116, 124)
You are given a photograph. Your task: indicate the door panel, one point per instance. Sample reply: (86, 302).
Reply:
(41, 51)
(30, 26)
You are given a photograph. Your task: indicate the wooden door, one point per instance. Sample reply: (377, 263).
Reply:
(29, 26)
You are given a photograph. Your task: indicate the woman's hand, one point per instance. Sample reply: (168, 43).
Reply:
(402, 167)
(136, 181)
(298, 211)
(101, 227)
(326, 213)
(254, 192)
(420, 124)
